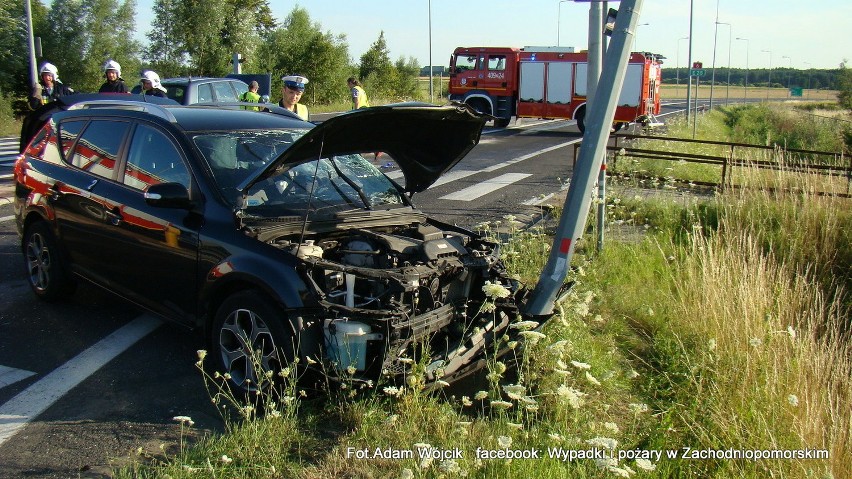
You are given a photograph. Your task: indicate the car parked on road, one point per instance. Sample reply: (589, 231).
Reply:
(192, 90)
(270, 235)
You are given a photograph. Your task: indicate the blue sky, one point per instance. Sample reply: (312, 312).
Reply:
(786, 28)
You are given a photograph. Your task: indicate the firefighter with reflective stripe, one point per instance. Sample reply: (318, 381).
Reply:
(114, 83)
(251, 96)
(48, 88)
(359, 96)
(151, 84)
(291, 93)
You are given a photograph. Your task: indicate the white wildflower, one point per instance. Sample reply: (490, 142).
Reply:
(645, 464)
(514, 425)
(405, 360)
(501, 404)
(532, 336)
(638, 408)
(488, 307)
(504, 442)
(633, 374)
(611, 426)
(449, 466)
(225, 459)
(392, 391)
(184, 420)
(755, 342)
(711, 344)
(391, 419)
(466, 401)
(793, 400)
(202, 353)
(579, 365)
(573, 397)
(442, 383)
(350, 370)
(406, 474)
(603, 442)
(618, 471)
(495, 290)
(480, 395)
(592, 379)
(524, 325)
(606, 462)
(514, 391)
(791, 332)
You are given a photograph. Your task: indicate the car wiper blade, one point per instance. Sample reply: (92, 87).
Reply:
(358, 188)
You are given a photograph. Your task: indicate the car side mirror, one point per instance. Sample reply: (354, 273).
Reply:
(264, 99)
(168, 195)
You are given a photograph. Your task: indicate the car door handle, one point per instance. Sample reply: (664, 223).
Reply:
(114, 216)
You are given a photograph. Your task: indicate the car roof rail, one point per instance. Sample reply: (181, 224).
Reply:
(150, 108)
(243, 105)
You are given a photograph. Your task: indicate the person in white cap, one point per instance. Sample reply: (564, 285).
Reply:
(151, 84)
(291, 93)
(49, 87)
(114, 83)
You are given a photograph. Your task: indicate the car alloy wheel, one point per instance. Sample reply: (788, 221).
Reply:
(251, 343)
(45, 267)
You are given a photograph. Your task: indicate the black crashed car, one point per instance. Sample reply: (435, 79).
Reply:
(268, 234)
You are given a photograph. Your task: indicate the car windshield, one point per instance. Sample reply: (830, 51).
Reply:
(234, 155)
(324, 186)
(331, 184)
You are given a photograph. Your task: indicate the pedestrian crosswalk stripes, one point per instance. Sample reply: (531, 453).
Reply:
(8, 150)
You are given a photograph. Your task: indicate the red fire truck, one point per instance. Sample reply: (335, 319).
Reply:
(547, 82)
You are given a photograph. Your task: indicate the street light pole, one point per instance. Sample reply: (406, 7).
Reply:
(768, 80)
(745, 84)
(559, 19)
(715, 34)
(808, 90)
(789, 67)
(689, 62)
(677, 69)
(728, 86)
(431, 82)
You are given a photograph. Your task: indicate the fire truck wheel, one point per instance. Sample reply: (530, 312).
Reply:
(618, 126)
(581, 119)
(501, 122)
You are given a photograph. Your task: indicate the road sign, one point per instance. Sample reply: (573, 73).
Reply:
(796, 91)
(697, 65)
(696, 72)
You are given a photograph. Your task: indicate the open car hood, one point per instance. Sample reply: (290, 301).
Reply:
(424, 140)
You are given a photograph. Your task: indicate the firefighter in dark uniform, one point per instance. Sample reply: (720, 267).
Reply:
(48, 88)
(114, 83)
(151, 84)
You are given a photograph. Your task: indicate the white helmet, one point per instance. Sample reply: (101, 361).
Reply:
(152, 77)
(49, 68)
(112, 65)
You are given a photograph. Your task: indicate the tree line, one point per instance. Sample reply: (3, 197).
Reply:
(194, 38)
(817, 79)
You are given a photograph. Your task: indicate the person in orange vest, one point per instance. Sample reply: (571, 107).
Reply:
(291, 93)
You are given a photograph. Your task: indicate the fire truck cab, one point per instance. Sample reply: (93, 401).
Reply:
(547, 82)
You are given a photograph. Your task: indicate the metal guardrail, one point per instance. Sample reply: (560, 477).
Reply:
(729, 161)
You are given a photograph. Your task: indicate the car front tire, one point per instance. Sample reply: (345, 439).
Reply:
(251, 337)
(47, 271)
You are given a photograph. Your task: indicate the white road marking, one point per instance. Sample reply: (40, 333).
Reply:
(31, 402)
(473, 192)
(530, 155)
(453, 176)
(538, 200)
(9, 376)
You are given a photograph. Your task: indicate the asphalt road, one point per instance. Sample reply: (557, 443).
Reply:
(85, 381)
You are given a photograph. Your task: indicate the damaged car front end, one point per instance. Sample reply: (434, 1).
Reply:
(386, 286)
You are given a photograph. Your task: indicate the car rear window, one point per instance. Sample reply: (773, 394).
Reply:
(224, 92)
(98, 147)
(176, 93)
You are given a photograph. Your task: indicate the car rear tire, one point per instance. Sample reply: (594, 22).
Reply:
(251, 336)
(47, 270)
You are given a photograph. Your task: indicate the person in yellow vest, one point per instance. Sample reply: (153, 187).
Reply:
(359, 96)
(251, 96)
(291, 93)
